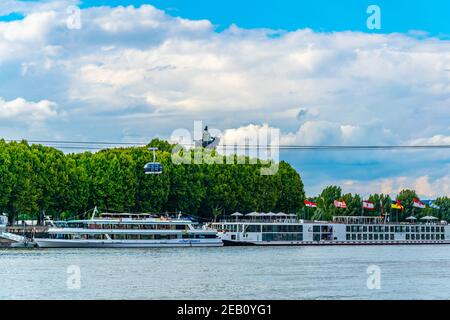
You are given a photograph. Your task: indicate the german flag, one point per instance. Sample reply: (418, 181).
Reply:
(397, 205)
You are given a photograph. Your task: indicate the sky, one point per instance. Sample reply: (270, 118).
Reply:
(127, 71)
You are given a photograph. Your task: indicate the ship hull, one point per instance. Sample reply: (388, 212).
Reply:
(329, 243)
(57, 243)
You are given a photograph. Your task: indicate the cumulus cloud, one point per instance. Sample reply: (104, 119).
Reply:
(425, 186)
(22, 110)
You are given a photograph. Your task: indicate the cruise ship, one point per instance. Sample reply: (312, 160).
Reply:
(125, 230)
(282, 229)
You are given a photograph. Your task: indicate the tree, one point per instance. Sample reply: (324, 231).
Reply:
(406, 197)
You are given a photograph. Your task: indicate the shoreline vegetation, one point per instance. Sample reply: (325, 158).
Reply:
(37, 180)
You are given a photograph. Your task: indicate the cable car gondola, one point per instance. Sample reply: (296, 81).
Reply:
(153, 167)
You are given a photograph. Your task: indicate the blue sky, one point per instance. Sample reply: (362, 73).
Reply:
(311, 69)
(320, 15)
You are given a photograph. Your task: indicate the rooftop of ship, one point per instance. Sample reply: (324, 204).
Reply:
(132, 218)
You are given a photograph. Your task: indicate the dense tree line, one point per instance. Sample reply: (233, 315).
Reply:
(35, 179)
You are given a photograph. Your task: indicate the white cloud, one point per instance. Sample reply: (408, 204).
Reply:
(438, 139)
(425, 186)
(22, 110)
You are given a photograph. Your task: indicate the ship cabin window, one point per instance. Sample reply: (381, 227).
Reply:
(317, 228)
(353, 236)
(364, 236)
(347, 236)
(282, 228)
(370, 236)
(253, 228)
(347, 228)
(365, 229)
(370, 229)
(428, 229)
(375, 236)
(181, 227)
(392, 236)
(386, 229)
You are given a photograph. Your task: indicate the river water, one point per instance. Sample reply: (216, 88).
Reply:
(341, 272)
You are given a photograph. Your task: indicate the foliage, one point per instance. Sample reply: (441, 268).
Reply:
(37, 180)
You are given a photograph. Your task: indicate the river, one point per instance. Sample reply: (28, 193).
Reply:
(338, 272)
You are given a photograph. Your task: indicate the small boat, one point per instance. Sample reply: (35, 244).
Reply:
(126, 230)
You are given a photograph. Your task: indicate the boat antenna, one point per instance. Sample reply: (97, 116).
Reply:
(94, 212)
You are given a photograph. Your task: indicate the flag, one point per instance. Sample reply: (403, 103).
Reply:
(431, 204)
(397, 205)
(310, 204)
(434, 206)
(418, 204)
(368, 205)
(340, 204)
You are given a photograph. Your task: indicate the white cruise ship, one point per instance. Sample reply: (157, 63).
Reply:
(128, 231)
(281, 229)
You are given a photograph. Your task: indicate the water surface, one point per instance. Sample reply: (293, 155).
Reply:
(407, 272)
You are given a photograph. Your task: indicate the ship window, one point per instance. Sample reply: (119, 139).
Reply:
(253, 228)
(347, 236)
(407, 229)
(442, 237)
(370, 236)
(407, 236)
(428, 237)
(428, 229)
(359, 236)
(381, 237)
(180, 227)
(365, 229)
(353, 236)
(347, 228)
(375, 236)
(386, 229)
(422, 236)
(316, 228)
(413, 236)
(370, 228)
